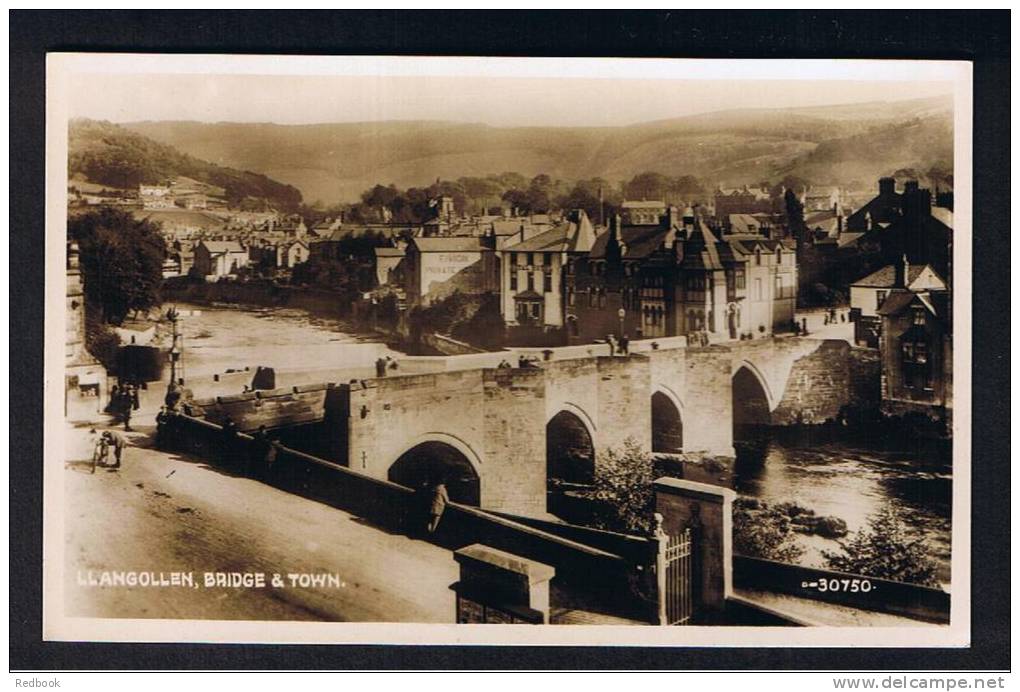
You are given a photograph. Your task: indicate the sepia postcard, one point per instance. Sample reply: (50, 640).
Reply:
(543, 351)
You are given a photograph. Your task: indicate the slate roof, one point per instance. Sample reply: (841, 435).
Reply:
(639, 241)
(886, 277)
(567, 236)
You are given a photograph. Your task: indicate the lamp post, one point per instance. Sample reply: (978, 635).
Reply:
(621, 313)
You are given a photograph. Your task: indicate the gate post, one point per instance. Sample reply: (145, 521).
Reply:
(662, 541)
(708, 511)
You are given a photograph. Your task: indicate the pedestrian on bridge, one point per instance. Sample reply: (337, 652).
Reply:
(440, 498)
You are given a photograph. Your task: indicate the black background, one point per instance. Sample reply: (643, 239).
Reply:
(980, 36)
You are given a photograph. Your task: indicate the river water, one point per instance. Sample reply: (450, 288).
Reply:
(850, 476)
(219, 338)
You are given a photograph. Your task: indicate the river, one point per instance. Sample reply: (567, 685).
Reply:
(849, 476)
(219, 338)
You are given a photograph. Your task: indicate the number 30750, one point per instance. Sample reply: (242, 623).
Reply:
(839, 585)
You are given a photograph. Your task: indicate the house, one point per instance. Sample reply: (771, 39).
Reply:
(643, 213)
(156, 196)
(822, 198)
(435, 267)
(218, 258)
(869, 293)
(880, 211)
(916, 353)
(680, 278)
(917, 232)
(745, 200)
(84, 376)
(387, 259)
(532, 293)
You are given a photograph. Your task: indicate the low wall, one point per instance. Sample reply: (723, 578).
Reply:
(853, 590)
(599, 575)
(448, 345)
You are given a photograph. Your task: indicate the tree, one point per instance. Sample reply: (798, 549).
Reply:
(885, 550)
(485, 328)
(121, 260)
(622, 490)
(648, 185)
(794, 213)
(764, 531)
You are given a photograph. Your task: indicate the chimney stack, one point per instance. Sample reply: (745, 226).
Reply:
(886, 186)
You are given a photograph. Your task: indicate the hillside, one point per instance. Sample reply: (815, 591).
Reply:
(108, 155)
(336, 162)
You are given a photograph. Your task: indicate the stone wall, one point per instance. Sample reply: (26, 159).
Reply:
(825, 384)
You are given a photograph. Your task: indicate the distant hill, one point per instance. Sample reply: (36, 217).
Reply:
(109, 155)
(826, 145)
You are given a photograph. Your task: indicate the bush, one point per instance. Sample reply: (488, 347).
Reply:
(622, 490)
(884, 550)
(102, 342)
(763, 531)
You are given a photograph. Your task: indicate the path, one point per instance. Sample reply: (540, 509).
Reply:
(163, 512)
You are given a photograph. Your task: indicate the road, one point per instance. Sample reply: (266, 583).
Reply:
(162, 512)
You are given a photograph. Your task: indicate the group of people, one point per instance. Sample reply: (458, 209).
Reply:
(383, 364)
(123, 400)
(830, 316)
(618, 346)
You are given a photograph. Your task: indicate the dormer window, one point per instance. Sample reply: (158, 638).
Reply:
(779, 255)
(757, 256)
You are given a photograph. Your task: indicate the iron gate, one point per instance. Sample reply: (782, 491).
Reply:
(679, 573)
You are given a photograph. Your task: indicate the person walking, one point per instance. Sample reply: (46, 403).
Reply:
(440, 498)
(611, 340)
(124, 408)
(118, 442)
(624, 345)
(228, 442)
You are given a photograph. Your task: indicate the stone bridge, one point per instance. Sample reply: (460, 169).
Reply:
(494, 433)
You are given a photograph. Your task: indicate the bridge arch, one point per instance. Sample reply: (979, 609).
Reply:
(752, 399)
(569, 446)
(667, 420)
(763, 381)
(439, 457)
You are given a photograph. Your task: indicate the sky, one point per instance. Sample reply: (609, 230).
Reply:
(622, 92)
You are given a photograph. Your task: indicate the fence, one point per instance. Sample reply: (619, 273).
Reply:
(677, 598)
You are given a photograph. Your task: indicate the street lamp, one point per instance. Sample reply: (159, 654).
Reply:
(621, 313)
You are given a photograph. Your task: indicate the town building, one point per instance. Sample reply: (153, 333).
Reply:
(215, 259)
(532, 295)
(916, 350)
(680, 278)
(745, 200)
(869, 293)
(156, 196)
(822, 198)
(435, 267)
(84, 376)
(880, 211)
(642, 213)
(387, 259)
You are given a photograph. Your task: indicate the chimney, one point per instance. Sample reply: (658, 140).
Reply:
(902, 273)
(886, 186)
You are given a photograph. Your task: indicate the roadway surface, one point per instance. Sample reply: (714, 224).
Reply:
(163, 512)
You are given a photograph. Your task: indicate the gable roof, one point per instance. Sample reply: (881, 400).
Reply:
(575, 235)
(886, 277)
(638, 241)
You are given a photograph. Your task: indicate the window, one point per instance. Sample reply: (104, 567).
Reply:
(918, 317)
(779, 255)
(757, 256)
(757, 289)
(739, 278)
(547, 286)
(536, 310)
(879, 298)
(513, 277)
(916, 367)
(531, 259)
(570, 297)
(531, 280)
(570, 268)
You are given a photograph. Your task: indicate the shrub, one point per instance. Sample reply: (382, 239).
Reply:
(622, 490)
(763, 531)
(884, 549)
